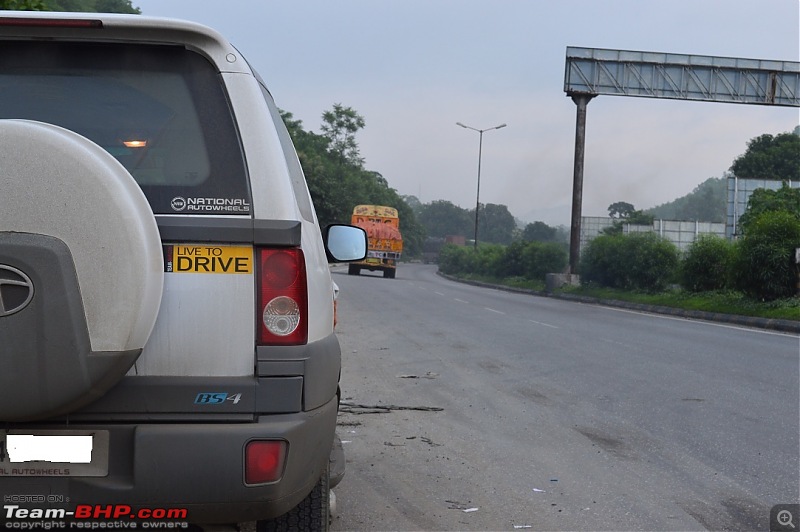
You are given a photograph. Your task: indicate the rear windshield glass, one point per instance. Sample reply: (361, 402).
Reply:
(161, 111)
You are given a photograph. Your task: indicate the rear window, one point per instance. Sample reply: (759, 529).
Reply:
(160, 110)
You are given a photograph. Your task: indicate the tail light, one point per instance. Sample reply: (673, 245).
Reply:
(263, 461)
(282, 297)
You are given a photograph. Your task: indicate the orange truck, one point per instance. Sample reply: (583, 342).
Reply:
(385, 241)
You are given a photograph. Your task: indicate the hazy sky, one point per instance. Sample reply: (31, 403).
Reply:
(413, 68)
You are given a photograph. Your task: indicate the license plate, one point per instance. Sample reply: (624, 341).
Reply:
(54, 453)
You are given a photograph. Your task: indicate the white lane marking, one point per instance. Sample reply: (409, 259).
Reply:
(462, 301)
(493, 310)
(702, 322)
(438, 293)
(544, 324)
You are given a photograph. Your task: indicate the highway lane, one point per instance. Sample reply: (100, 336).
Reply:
(557, 415)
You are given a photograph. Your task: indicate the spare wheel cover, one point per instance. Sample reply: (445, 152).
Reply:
(81, 270)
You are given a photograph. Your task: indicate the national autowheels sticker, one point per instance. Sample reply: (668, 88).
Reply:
(190, 258)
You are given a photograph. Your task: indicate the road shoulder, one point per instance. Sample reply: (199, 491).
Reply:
(787, 326)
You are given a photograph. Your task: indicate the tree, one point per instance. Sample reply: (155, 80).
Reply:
(764, 258)
(640, 218)
(23, 5)
(413, 202)
(706, 203)
(320, 169)
(495, 224)
(625, 213)
(442, 218)
(340, 126)
(337, 185)
(785, 199)
(88, 6)
(770, 157)
(539, 232)
(620, 209)
(117, 6)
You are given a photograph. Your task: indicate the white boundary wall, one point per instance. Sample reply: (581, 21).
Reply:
(682, 234)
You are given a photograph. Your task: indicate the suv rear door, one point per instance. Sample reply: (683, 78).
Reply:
(163, 113)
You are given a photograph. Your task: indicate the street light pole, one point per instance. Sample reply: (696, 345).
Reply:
(480, 150)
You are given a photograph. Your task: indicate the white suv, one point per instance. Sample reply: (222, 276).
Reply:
(166, 306)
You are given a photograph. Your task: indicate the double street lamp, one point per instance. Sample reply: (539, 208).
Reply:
(480, 149)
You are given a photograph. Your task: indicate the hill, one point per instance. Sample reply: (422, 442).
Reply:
(706, 203)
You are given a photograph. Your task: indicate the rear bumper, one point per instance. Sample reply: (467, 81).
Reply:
(198, 467)
(377, 264)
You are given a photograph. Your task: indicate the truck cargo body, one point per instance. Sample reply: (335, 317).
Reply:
(382, 225)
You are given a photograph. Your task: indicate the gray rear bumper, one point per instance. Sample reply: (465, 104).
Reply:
(197, 466)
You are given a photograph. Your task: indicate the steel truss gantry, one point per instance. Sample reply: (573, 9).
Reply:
(682, 77)
(592, 72)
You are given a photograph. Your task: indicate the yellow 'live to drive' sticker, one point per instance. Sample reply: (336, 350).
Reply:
(191, 258)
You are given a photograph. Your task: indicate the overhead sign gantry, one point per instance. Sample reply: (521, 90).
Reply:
(591, 72)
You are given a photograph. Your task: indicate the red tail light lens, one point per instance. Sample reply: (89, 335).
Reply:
(282, 297)
(263, 461)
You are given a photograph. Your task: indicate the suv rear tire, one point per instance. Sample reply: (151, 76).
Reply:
(312, 514)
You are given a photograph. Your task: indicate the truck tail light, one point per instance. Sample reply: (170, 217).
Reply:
(263, 461)
(282, 297)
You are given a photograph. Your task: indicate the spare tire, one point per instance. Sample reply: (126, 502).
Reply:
(81, 270)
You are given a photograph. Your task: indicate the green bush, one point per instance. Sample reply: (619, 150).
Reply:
(462, 259)
(453, 259)
(600, 262)
(488, 259)
(655, 262)
(513, 264)
(541, 258)
(707, 264)
(764, 265)
(640, 261)
(522, 260)
(786, 199)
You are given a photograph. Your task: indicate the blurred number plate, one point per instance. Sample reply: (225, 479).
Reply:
(54, 453)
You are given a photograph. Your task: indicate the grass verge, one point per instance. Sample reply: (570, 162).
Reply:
(514, 282)
(723, 302)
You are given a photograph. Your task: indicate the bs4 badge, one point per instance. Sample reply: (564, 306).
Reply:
(216, 398)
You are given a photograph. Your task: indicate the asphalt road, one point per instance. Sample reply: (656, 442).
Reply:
(556, 415)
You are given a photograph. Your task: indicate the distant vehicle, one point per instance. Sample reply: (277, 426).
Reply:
(166, 306)
(382, 225)
(433, 246)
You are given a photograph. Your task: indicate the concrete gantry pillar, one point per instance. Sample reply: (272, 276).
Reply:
(581, 101)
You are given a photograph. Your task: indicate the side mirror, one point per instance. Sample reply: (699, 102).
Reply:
(345, 243)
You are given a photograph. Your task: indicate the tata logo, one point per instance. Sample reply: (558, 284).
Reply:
(16, 290)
